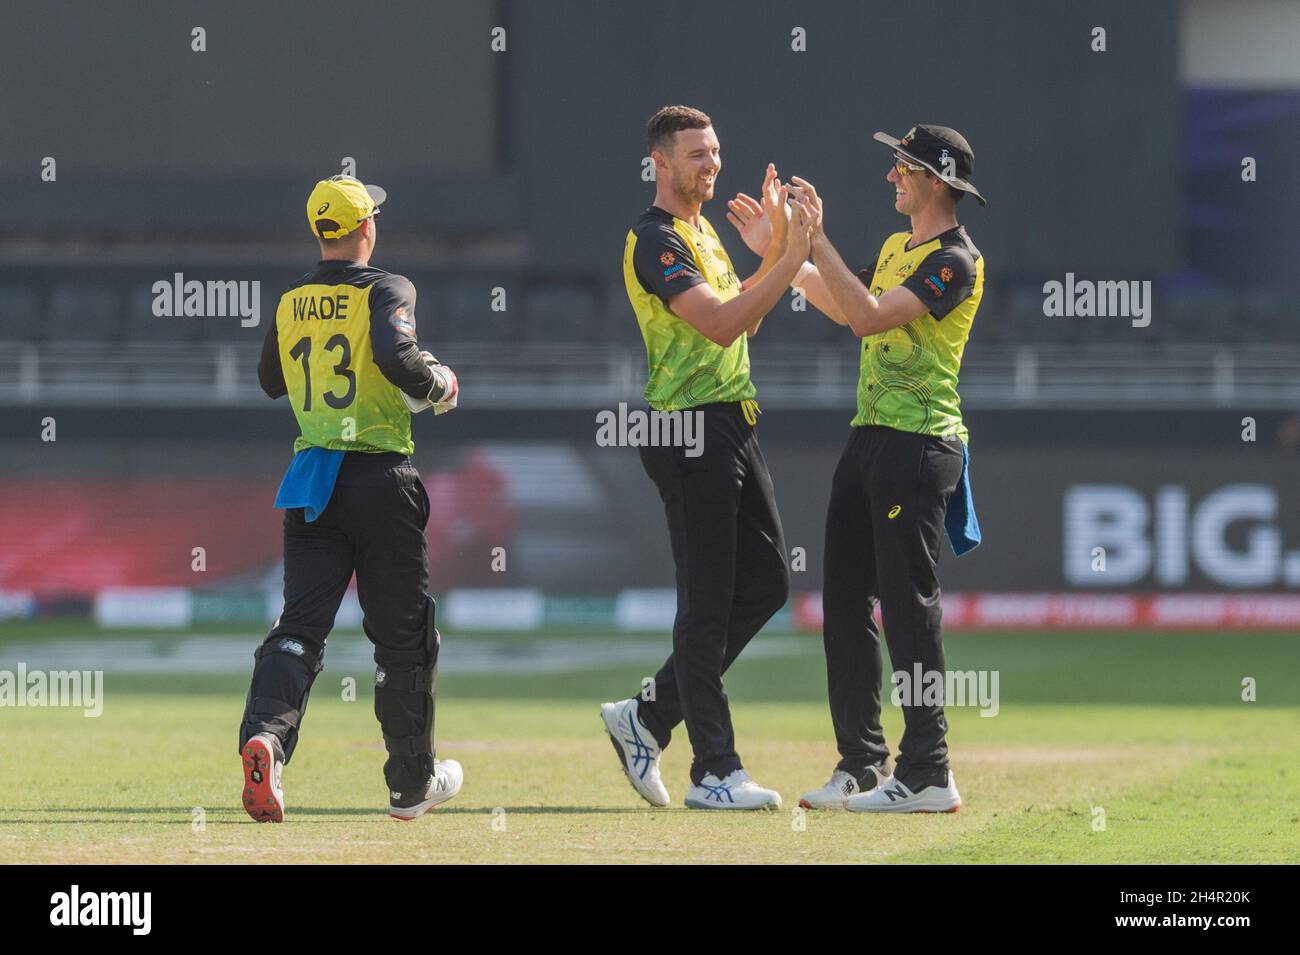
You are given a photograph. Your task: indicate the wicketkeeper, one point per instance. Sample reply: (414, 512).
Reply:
(343, 348)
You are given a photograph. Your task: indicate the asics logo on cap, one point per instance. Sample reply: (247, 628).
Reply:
(339, 204)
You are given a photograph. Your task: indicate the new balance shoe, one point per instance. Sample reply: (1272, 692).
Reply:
(263, 763)
(894, 796)
(840, 787)
(637, 749)
(445, 782)
(737, 791)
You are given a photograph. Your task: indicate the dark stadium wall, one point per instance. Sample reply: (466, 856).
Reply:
(166, 137)
(1068, 141)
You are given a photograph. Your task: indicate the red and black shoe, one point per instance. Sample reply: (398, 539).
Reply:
(262, 796)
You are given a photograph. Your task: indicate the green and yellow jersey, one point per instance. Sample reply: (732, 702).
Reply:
(908, 375)
(343, 349)
(664, 256)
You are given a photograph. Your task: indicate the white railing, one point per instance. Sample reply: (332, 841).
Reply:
(540, 375)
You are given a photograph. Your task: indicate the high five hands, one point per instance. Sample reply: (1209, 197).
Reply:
(784, 205)
(808, 202)
(760, 223)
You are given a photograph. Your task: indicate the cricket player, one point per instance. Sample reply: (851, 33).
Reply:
(902, 479)
(343, 349)
(695, 317)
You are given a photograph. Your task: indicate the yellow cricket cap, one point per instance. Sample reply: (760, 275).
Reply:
(339, 204)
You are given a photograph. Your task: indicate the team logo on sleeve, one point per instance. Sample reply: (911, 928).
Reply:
(401, 320)
(945, 274)
(674, 268)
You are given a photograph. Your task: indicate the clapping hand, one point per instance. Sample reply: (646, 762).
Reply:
(761, 223)
(806, 198)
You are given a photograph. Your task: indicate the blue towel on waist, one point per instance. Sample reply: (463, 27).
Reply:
(960, 522)
(309, 482)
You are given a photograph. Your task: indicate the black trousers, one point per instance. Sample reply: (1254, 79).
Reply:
(732, 576)
(373, 525)
(884, 526)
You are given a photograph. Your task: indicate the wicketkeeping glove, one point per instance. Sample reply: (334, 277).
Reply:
(444, 382)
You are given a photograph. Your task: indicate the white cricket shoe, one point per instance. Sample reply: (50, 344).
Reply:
(445, 782)
(637, 749)
(840, 787)
(893, 796)
(737, 791)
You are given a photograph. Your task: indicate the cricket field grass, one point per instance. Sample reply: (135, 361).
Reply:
(1104, 749)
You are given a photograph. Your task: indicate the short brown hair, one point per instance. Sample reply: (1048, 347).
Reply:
(669, 121)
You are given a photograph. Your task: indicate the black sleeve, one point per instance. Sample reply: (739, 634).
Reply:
(392, 337)
(269, 373)
(664, 265)
(865, 276)
(944, 279)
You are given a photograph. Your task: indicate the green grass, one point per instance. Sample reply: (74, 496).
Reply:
(1150, 729)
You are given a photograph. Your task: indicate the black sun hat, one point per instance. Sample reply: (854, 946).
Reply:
(941, 150)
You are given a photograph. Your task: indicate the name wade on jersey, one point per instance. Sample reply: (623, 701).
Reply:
(323, 307)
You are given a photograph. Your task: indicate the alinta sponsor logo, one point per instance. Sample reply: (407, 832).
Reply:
(1084, 298)
(182, 298)
(651, 429)
(61, 688)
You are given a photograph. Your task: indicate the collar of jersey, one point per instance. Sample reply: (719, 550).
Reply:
(676, 218)
(908, 247)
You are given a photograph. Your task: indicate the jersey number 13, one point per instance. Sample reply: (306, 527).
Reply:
(302, 352)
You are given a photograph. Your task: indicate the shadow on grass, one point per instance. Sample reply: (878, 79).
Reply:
(183, 814)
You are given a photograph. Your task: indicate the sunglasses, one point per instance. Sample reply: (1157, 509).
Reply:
(905, 168)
